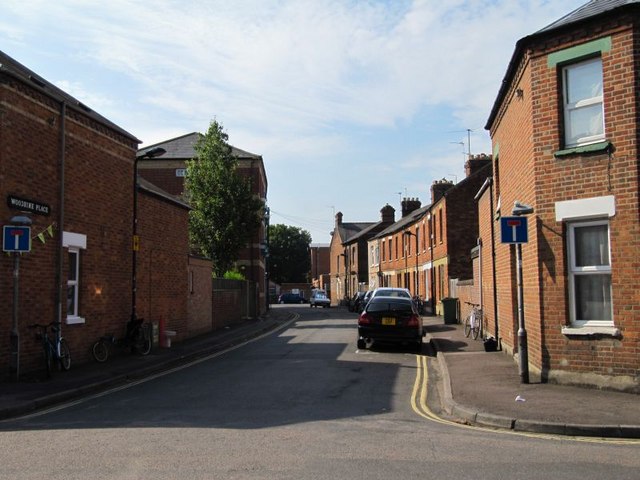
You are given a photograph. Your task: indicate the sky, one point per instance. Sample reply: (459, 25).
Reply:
(353, 104)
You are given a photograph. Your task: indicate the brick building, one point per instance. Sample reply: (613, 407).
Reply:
(565, 129)
(168, 171)
(320, 268)
(341, 258)
(71, 171)
(431, 245)
(389, 257)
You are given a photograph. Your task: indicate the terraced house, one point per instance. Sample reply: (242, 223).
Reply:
(565, 128)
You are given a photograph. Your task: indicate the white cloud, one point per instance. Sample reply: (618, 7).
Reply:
(289, 79)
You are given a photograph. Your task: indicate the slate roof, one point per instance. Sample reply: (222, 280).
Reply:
(183, 148)
(348, 231)
(585, 13)
(15, 69)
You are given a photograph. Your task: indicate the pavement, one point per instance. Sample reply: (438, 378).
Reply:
(477, 387)
(484, 388)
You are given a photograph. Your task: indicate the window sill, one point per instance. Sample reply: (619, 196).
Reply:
(74, 320)
(593, 148)
(587, 331)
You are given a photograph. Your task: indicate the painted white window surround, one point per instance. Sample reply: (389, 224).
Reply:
(74, 242)
(586, 208)
(588, 238)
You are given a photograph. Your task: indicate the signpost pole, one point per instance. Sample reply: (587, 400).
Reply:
(16, 239)
(523, 353)
(514, 230)
(14, 360)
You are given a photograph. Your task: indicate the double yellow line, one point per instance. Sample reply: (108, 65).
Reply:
(420, 406)
(419, 394)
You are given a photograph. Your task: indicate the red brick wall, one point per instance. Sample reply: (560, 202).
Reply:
(513, 180)
(98, 194)
(200, 297)
(162, 272)
(164, 178)
(529, 172)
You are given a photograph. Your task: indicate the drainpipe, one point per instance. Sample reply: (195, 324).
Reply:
(480, 269)
(60, 256)
(496, 325)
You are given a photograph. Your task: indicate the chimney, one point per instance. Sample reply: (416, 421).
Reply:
(475, 163)
(409, 205)
(439, 188)
(388, 214)
(338, 218)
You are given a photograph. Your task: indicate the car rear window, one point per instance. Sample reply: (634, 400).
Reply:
(386, 305)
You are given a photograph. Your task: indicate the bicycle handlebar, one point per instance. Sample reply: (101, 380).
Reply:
(473, 304)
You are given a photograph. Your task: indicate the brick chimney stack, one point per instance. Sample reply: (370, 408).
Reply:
(439, 188)
(409, 205)
(338, 219)
(475, 163)
(388, 214)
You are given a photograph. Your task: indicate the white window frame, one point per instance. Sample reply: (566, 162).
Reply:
(73, 281)
(575, 271)
(74, 242)
(569, 108)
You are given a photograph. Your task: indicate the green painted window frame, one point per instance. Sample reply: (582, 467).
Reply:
(579, 52)
(567, 56)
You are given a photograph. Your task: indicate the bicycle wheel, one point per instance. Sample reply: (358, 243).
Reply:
(100, 351)
(475, 330)
(143, 342)
(65, 355)
(467, 326)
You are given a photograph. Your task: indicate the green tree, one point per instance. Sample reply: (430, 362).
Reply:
(289, 260)
(225, 213)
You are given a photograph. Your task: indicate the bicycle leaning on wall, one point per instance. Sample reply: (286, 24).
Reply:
(137, 338)
(55, 349)
(473, 322)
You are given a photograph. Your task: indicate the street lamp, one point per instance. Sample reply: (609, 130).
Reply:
(151, 153)
(520, 209)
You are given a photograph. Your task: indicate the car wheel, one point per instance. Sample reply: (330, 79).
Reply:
(362, 344)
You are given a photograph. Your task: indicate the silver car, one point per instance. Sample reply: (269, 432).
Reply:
(319, 299)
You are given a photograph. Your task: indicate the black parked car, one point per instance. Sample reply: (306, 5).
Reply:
(390, 319)
(291, 298)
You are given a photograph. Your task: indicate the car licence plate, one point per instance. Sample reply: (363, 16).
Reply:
(388, 321)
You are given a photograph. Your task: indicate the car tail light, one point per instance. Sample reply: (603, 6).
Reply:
(364, 319)
(413, 321)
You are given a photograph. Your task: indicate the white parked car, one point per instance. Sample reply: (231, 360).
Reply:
(391, 292)
(319, 299)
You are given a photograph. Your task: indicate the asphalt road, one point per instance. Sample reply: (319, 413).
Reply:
(301, 403)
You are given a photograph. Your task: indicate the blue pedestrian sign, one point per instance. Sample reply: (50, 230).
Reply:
(16, 238)
(514, 230)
